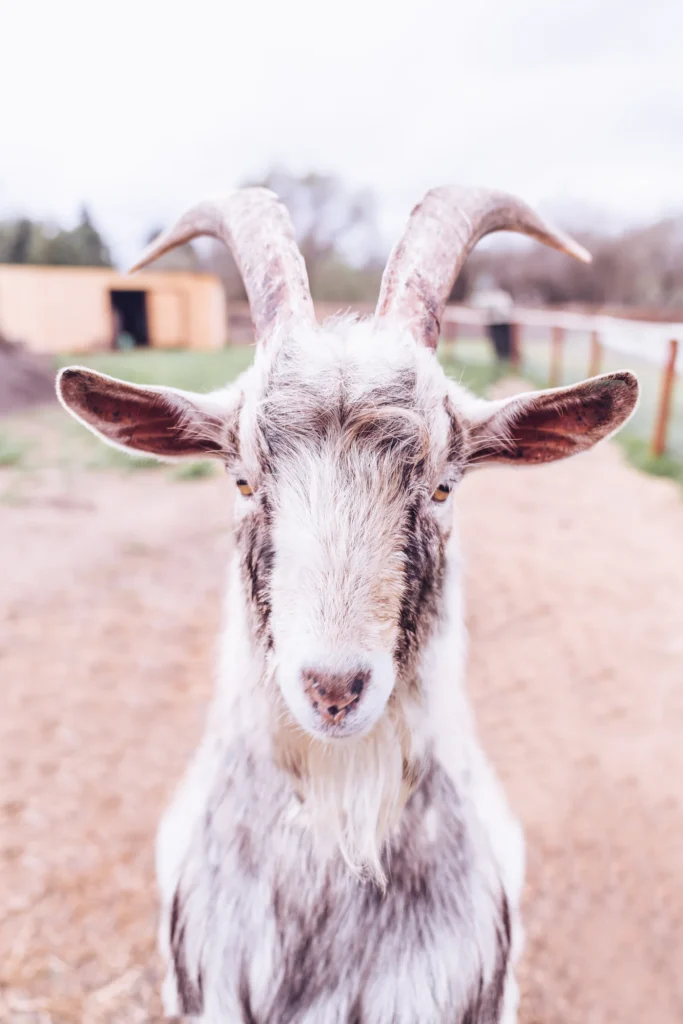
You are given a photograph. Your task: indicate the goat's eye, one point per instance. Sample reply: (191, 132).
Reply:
(441, 493)
(244, 488)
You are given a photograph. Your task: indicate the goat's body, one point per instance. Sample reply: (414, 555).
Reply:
(340, 693)
(259, 928)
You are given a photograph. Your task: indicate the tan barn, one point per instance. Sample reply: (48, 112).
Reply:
(78, 309)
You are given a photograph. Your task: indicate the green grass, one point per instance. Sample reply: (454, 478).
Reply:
(13, 450)
(639, 455)
(194, 470)
(191, 370)
(471, 363)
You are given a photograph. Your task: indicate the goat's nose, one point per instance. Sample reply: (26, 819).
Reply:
(334, 694)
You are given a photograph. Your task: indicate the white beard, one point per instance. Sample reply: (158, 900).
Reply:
(352, 791)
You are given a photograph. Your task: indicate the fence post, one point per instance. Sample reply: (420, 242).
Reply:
(515, 346)
(595, 356)
(658, 446)
(556, 356)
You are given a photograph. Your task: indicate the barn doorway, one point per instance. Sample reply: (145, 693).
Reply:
(129, 311)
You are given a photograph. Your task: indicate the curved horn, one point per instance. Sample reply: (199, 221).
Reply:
(442, 231)
(257, 229)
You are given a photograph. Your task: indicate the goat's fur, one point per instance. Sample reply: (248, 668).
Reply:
(370, 872)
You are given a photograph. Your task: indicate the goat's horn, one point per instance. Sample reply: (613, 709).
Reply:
(257, 229)
(442, 231)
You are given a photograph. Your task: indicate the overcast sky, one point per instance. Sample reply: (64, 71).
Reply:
(140, 107)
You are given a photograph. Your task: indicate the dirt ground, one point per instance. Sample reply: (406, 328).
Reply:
(109, 603)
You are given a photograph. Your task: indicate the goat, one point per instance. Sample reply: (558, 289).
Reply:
(340, 850)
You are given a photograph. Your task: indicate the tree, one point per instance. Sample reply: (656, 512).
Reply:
(330, 221)
(637, 267)
(20, 243)
(88, 245)
(26, 241)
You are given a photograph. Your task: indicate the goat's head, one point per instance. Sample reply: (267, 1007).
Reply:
(345, 443)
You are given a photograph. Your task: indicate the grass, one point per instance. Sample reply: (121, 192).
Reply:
(639, 455)
(13, 450)
(471, 364)
(191, 370)
(194, 470)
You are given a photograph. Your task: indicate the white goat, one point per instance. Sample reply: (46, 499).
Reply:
(340, 851)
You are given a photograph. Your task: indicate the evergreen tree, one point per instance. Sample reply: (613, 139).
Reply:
(26, 241)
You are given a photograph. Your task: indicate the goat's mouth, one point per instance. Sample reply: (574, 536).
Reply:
(338, 698)
(337, 725)
(344, 729)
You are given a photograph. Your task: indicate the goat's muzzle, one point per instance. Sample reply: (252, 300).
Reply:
(333, 695)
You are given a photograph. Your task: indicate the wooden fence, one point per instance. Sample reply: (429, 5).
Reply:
(654, 343)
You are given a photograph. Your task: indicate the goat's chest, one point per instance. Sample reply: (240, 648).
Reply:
(261, 932)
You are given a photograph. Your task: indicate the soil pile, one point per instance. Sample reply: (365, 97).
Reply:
(26, 378)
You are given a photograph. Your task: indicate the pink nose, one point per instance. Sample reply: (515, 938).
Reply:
(334, 694)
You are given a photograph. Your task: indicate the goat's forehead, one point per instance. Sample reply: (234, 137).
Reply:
(376, 395)
(353, 365)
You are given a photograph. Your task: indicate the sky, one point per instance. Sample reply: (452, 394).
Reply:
(141, 107)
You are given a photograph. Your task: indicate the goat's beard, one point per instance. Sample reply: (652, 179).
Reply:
(352, 790)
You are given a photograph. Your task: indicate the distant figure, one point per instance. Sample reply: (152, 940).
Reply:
(497, 306)
(123, 339)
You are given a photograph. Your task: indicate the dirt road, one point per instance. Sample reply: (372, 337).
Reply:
(109, 602)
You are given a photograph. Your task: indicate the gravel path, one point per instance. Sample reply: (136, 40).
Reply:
(109, 602)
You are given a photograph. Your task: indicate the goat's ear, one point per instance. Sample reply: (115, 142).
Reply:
(157, 421)
(543, 426)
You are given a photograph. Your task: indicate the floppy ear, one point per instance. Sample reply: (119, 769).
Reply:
(543, 426)
(158, 421)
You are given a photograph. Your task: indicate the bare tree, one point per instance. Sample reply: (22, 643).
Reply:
(637, 267)
(336, 233)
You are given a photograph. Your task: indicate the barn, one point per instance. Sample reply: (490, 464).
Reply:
(80, 309)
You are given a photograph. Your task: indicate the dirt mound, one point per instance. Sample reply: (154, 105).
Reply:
(26, 378)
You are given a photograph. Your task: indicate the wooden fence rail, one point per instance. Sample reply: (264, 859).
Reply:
(603, 333)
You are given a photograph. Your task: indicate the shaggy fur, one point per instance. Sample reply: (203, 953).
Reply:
(434, 947)
(365, 871)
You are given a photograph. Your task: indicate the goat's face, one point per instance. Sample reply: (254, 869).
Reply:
(345, 444)
(348, 450)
